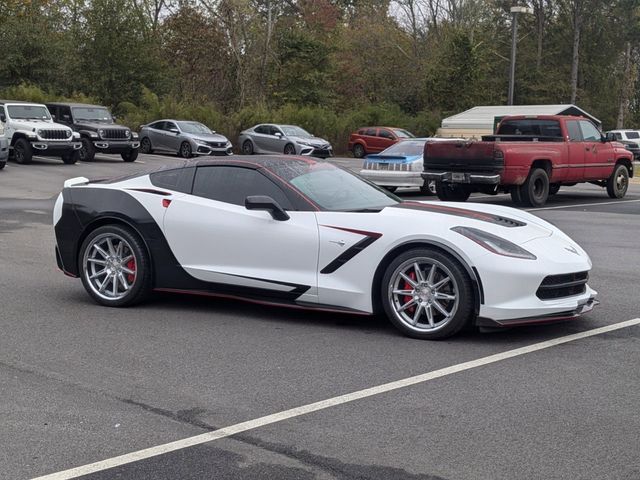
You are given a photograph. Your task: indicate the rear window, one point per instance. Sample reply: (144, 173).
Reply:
(179, 179)
(533, 126)
(632, 134)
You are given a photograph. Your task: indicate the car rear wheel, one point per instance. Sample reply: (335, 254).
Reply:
(452, 192)
(115, 267)
(2, 164)
(535, 190)
(289, 149)
(70, 158)
(359, 151)
(618, 182)
(145, 145)
(88, 151)
(427, 294)
(429, 188)
(22, 152)
(185, 150)
(247, 147)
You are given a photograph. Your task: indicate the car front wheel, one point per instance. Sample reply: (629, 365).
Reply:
(130, 156)
(185, 150)
(115, 267)
(427, 294)
(452, 192)
(618, 182)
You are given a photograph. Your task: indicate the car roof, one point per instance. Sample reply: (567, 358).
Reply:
(3, 102)
(256, 161)
(72, 104)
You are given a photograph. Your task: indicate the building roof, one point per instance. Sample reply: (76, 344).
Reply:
(484, 117)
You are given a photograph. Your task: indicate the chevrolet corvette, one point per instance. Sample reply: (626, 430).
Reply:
(303, 233)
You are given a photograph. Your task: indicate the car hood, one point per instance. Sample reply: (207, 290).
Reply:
(207, 137)
(313, 141)
(100, 125)
(36, 124)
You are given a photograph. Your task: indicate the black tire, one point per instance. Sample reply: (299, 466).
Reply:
(515, 195)
(459, 286)
(390, 189)
(429, 188)
(247, 147)
(448, 192)
(554, 188)
(70, 158)
(88, 151)
(141, 283)
(535, 190)
(359, 151)
(22, 152)
(289, 149)
(185, 150)
(130, 156)
(145, 145)
(618, 182)
(2, 164)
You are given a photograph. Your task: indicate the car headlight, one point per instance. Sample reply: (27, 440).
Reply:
(93, 135)
(306, 144)
(228, 144)
(75, 135)
(127, 133)
(494, 244)
(101, 132)
(39, 132)
(134, 135)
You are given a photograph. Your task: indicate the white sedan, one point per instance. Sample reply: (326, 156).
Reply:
(293, 231)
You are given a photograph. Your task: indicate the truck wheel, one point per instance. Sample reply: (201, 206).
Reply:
(70, 158)
(2, 165)
(618, 182)
(554, 188)
(452, 193)
(359, 151)
(22, 151)
(515, 195)
(429, 188)
(535, 190)
(130, 156)
(88, 151)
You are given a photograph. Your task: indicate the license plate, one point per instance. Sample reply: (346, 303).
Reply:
(457, 177)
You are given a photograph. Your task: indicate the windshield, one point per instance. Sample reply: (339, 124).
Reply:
(91, 114)
(335, 189)
(194, 127)
(403, 133)
(291, 131)
(407, 148)
(28, 112)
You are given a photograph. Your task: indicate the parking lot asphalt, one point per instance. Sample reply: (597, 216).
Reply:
(83, 383)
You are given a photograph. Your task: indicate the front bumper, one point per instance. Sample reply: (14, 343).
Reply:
(462, 177)
(116, 146)
(385, 178)
(55, 147)
(204, 149)
(316, 152)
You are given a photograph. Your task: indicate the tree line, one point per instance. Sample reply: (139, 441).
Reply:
(329, 65)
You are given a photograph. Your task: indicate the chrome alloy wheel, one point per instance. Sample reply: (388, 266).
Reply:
(621, 181)
(110, 266)
(423, 294)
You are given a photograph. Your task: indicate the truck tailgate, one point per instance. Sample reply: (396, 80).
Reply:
(457, 156)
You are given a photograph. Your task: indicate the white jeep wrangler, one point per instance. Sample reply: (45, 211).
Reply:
(30, 131)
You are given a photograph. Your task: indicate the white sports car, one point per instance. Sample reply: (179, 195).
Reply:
(294, 231)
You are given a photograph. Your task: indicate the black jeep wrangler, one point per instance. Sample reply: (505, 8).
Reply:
(98, 130)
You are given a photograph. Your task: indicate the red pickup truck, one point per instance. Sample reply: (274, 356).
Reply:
(530, 157)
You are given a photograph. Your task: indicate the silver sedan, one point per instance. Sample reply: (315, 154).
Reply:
(185, 138)
(287, 139)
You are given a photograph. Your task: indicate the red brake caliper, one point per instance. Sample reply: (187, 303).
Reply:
(131, 265)
(407, 298)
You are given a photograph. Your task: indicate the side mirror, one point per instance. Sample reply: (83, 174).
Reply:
(174, 130)
(262, 202)
(278, 134)
(610, 137)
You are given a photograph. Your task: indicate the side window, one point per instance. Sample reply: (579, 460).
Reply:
(168, 126)
(264, 129)
(273, 130)
(589, 132)
(157, 125)
(385, 134)
(371, 132)
(64, 114)
(179, 180)
(234, 184)
(362, 131)
(574, 131)
(631, 135)
(618, 135)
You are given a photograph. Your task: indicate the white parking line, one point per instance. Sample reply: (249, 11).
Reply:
(582, 205)
(324, 404)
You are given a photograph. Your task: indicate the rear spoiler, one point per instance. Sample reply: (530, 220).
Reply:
(521, 138)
